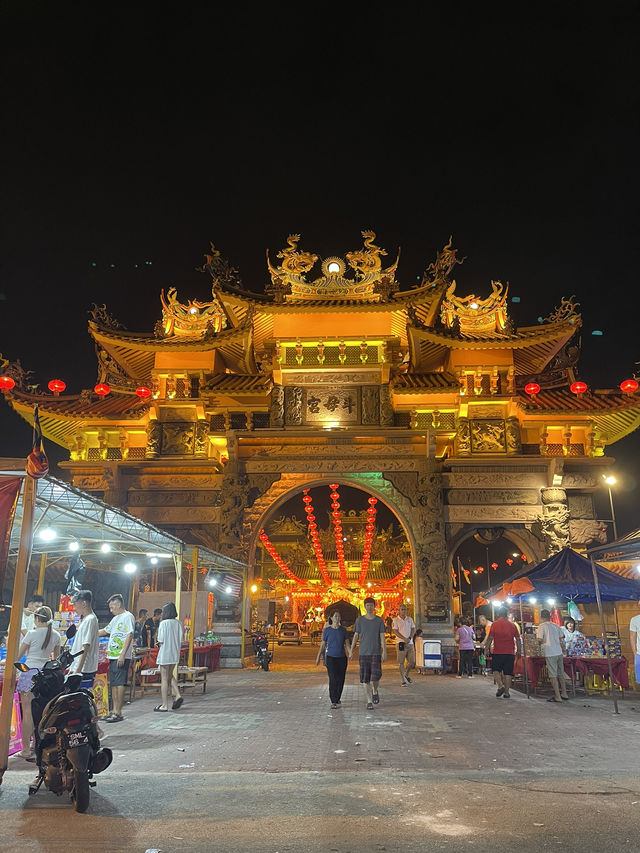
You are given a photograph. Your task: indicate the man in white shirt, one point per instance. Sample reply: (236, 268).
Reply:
(634, 635)
(119, 653)
(86, 640)
(404, 628)
(551, 638)
(27, 614)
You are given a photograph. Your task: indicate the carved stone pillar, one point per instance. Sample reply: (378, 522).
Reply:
(386, 406)
(154, 438)
(201, 440)
(80, 451)
(102, 443)
(544, 435)
(276, 411)
(514, 440)
(293, 405)
(554, 521)
(124, 443)
(463, 438)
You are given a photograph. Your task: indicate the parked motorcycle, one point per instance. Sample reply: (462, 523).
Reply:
(67, 746)
(261, 647)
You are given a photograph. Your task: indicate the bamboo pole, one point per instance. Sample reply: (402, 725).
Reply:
(15, 623)
(604, 636)
(43, 568)
(194, 589)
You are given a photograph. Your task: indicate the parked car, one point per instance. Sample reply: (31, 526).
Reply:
(289, 632)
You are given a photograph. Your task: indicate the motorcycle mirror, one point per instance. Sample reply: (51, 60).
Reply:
(71, 632)
(21, 666)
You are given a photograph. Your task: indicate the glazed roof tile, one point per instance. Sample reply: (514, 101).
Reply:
(85, 406)
(563, 400)
(414, 383)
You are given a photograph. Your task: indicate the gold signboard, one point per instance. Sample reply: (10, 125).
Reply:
(331, 405)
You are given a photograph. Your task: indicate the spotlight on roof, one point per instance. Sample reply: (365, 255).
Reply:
(229, 590)
(533, 599)
(48, 534)
(154, 561)
(130, 568)
(212, 582)
(105, 547)
(74, 546)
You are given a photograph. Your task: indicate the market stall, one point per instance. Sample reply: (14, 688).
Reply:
(570, 576)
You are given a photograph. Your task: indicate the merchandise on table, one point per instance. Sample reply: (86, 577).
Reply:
(63, 619)
(593, 647)
(532, 647)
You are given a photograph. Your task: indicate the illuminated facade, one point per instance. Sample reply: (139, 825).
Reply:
(415, 396)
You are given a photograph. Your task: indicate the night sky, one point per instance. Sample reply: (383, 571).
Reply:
(129, 137)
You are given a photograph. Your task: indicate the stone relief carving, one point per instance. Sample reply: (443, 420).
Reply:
(171, 481)
(293, 405)
(178, 439)
(485, 411)
(581, 506)
(463, 437)
(319, 466)
(332, 450)
(370, 404)
(324, 378)
(488, 496)
(579, 481)
(514, 441)
(182, 497)
(154, 437)
(585, 531)
(488, 436)
(494, 480)
(91, 483)
(386, 406)
(276, 410)
(176, 515)
(491, 513)
(258, 485)
(234, 495)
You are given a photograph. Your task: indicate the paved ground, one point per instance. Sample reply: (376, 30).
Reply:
(262, 763)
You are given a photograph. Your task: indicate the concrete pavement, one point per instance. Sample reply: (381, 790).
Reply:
(262, 763)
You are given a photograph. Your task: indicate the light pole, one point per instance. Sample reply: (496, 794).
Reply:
(611, 481)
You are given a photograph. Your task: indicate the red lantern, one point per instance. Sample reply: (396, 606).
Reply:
(307, 499)
(308, 509)
(523, 558)
(313, 526)
(311, 517)
(333, 486)
(509, 561)
(578, 387)
(56, 385)
(143, 392)
(629, 386)
(102, 389)
(480, 570)
(6, 383)
(532, 388)
(336, 513)
(335, 505)
(494, 565)
(334, 496)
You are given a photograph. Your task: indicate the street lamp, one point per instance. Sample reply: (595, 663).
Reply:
(611, 481)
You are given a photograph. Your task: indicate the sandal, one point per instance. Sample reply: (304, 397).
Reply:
(161, 709)
(177, 703)
(552, 699)
(113, 718)
(369, 706)
(376, 698)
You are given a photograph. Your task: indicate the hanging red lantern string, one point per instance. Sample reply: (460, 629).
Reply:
(629, 386)
(368, 540)
(337, 532)
(403, 572)
(315, 539)
(277, 559)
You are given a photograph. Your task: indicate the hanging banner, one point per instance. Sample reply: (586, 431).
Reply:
(9, 491)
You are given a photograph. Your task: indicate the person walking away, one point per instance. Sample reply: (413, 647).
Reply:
(551, 639)
(404, 629)
(170, 642)
(505, 639)
(86, 639)
(369, 630)
(334, 649)
(119, 653)
(634, 636)
(466, 646)
(27, 614)
(39, 645)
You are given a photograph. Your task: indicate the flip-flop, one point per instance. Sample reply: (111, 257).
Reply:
(369, 706)
(375, 698)
(552, 699)
(177, 703)
(161, 709)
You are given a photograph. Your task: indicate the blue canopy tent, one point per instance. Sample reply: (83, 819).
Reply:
(570, 575)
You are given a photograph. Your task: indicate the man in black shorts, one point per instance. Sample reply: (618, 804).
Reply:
(505, 638)
(369, 629)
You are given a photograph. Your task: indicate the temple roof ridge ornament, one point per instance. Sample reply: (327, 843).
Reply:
(567, 311)
(207, 318)
(440, 270)
(475, 316)
(370, 282)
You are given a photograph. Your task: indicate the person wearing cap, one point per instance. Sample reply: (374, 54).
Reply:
(370, 631)
(86, 639)
(634, 636)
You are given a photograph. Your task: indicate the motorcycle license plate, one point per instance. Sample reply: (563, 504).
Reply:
(77, 739)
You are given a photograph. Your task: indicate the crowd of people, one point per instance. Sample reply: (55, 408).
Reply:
(40, 643)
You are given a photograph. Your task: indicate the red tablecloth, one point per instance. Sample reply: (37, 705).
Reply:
(584, 665)
(208, 655)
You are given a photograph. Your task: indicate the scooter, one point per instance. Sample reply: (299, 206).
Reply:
(261, 648)
(67, 745)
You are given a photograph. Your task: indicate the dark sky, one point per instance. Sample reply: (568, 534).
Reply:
(129, 136)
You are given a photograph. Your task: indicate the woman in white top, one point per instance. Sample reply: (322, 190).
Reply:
(571, 633)
(169, 640)
(40, 645)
